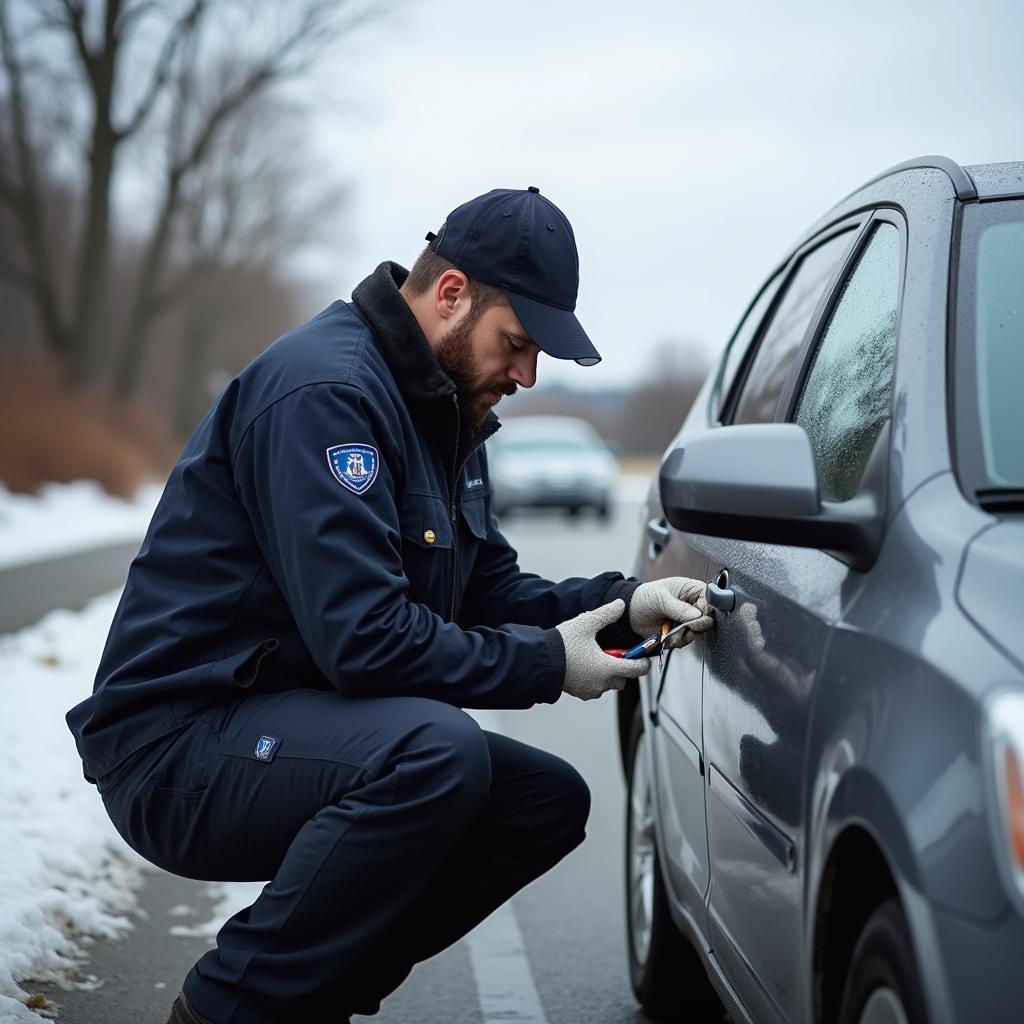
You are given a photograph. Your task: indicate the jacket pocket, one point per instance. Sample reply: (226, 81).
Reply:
(425, 522)
(426, 548)
(474, 511)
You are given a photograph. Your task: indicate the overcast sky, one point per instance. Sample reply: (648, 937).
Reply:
(689, 144)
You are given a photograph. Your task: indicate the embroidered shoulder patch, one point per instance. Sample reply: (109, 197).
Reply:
(354, 465)
(266, 747)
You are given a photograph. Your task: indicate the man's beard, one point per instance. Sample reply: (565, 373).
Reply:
(454, 353)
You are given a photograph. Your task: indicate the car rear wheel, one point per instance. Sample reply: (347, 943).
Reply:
(883, 986)
(667, 975)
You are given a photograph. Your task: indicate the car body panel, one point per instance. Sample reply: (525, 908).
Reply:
(991, 590)
(760, 671)
(906, 651)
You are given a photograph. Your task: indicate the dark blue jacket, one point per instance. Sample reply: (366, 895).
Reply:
(329, 525)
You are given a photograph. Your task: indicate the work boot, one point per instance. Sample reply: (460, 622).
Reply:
(182, 1012)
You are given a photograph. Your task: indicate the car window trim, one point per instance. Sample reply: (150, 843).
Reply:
(785, 276)
(847, 224)
(718, 404)
(786, 411)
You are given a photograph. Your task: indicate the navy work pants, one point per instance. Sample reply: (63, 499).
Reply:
(387, 828)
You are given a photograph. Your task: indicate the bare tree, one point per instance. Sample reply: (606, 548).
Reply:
(656, 407)
(246, 209)
(135, 86)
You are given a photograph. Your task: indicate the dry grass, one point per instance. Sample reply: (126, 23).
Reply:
(639, 465)
(51, 433)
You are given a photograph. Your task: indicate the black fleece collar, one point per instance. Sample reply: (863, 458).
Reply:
(418, 374)
(408, 353)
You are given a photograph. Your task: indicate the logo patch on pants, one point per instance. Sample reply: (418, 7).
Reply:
(266, 747)
(354, 465)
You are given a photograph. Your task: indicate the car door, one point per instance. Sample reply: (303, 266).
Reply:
(676, 727)
(762, 659)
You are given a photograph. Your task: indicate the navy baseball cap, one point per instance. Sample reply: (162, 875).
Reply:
(519, 241)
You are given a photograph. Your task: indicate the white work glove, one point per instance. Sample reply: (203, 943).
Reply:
(589, 672)
(676, 599)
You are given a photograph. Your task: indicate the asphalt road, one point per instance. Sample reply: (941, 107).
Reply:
(555, 955)
(27, 592)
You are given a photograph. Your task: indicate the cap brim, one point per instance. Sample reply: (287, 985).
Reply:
(552, 330)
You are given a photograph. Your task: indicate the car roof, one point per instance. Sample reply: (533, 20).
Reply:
(998, 180)
(945, 177)
(978, 181)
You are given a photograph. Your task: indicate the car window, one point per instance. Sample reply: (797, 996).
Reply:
(781, 342)
(742, 338)
(845, 399)
(992, 290)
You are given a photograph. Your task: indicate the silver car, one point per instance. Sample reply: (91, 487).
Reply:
(551, 462)
(825, 818)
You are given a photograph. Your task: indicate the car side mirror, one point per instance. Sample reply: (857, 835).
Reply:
(758, 482)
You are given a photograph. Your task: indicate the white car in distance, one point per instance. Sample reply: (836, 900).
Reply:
(551, 462)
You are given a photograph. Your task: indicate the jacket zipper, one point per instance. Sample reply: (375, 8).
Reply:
(452, 511)
(453, 494)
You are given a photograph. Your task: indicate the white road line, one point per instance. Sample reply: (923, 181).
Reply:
(502, 972)
(497, 952)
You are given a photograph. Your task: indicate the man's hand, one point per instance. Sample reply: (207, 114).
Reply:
(589, 672)
(677, 599)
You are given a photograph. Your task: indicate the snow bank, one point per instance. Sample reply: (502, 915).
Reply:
(65, 875)
(64, 518)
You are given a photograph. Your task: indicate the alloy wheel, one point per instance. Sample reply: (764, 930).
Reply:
(641, 853)
(883, 1007)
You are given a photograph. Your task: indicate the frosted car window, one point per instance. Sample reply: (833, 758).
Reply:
(781, 341)
(845, 400)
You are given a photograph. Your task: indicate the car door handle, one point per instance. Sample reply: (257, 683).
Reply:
(659, 533)
(722, 598)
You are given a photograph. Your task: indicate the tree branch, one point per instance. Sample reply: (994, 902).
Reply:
(74, 22)
(29, 208)
(274, 67)
(133, 13)
(183, 28)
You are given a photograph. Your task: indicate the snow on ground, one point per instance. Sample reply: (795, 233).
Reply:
(64, 518)
(66, 877)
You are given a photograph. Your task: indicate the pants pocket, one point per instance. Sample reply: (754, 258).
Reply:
(184, 770)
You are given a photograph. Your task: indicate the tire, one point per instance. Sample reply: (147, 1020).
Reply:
(666, 972)
(883, 985)
(604, 512)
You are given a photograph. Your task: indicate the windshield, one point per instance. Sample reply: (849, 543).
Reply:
(990, 347)
(560, 445)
